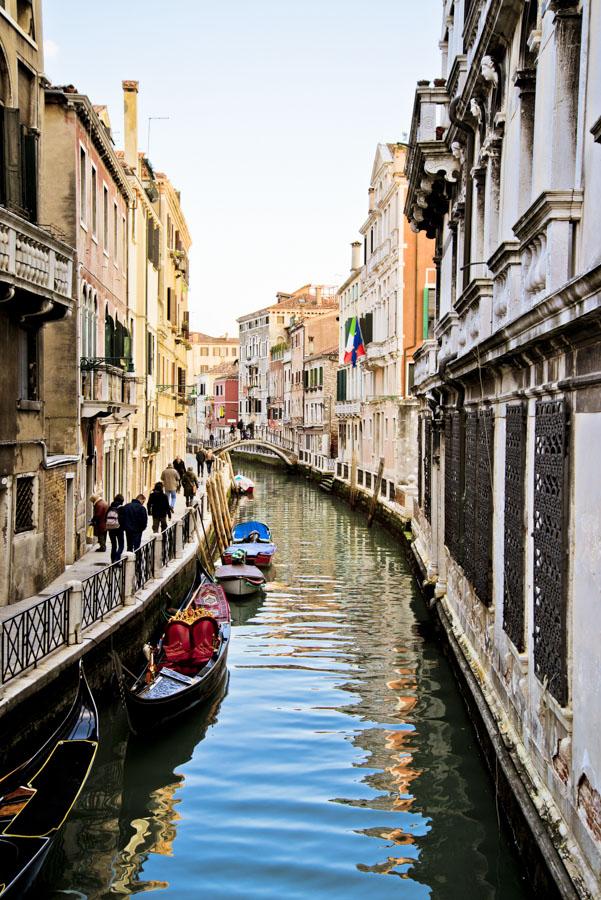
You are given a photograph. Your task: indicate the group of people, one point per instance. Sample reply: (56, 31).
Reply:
(204, 457)
(125, 523)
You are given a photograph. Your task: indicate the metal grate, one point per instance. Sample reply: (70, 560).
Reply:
(470, 497)
(144, 566)
(24, 504)
(454, 484)
(29, 636)
(550, 559)
(187, 527)
(420, 456)
(514, 526)
(485, 507)
(427, 456)
(102, 593)
(168, 544)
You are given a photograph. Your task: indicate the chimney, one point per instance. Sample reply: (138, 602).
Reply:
(318, 293)
(372, 198)
(130, 122)
(355, 256)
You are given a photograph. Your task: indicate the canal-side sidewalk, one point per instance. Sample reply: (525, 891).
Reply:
(43, 635)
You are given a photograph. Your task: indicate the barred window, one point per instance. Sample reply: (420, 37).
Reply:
(24, 504)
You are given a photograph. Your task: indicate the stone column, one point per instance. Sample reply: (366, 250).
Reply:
(179, 539)
(158, 554)
(129, 561)
(562, 142)
(75, 612)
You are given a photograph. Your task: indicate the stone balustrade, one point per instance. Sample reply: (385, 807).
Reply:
(32, 260)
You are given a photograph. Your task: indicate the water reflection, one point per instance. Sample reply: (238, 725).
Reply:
(342, 763)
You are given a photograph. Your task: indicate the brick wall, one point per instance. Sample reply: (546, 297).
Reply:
(54, 523)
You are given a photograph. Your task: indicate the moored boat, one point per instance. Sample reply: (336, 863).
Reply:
(37, 796)
(187, 665)
(244, 485)
(239, 579)
(254, 538)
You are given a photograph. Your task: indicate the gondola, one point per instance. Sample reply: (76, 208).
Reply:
(255, 539)
(187, 665)
(244, 485)
(37, 796)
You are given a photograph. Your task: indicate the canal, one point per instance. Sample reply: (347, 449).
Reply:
(339, 763)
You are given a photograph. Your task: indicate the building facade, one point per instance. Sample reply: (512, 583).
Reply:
(387, 294)
(504, 172)
(265, 329)
(38, 469)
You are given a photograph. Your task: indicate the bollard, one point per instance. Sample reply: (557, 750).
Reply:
(158, 555)
(179, 539)
(75, 612)
(129, 596)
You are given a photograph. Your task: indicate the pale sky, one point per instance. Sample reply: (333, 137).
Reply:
(275, 109)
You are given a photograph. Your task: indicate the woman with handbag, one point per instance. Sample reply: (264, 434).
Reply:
(100, 509)
(190, 485)
(115, 528)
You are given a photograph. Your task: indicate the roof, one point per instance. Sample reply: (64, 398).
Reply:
(225, 370)
(199, 337)
(329, 351)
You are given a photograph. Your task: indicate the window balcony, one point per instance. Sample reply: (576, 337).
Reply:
(379, 353)
(36, 270)
(425, 362)
(345, 408)
(108, 387)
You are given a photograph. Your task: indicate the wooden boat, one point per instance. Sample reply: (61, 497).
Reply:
(37, 796)
(255, 539)
(187, 665)
(244, 485)
(239, 580)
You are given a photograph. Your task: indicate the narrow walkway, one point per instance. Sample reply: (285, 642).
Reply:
(92, 560)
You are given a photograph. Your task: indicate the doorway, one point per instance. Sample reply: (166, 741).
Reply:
(69, 520)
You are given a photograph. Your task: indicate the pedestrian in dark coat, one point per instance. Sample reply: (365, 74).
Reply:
(114, 526)
(179, 466)
(99, 512)
(190, 485)
(135, 519)
(158, 507)
(200, 461)
(209, 460)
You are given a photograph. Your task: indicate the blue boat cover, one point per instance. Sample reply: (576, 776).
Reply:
(243, 529)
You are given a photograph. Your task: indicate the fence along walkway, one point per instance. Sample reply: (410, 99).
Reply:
(30, 635)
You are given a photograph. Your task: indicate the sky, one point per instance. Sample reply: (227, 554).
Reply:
(275, 109)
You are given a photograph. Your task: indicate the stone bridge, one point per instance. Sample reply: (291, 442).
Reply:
(288, 456)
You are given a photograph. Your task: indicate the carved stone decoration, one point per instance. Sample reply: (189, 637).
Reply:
(514, 526)
(550, 558)
(535, 266)
(489, 70)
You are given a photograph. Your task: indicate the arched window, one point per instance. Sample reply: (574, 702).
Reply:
(83, 314)
(4, 81)
(93, 322)
(109, 334)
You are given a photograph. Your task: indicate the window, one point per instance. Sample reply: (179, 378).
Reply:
(28, 364)
(204, 351)
(94, 201)
(105, 219)
(115, 233)
(83, 187)
(24, 504)
(123, 243)
(149, 353)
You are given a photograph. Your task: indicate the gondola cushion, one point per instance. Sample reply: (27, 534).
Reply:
(187, 647)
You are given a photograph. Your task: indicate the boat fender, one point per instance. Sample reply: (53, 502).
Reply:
(147, 650)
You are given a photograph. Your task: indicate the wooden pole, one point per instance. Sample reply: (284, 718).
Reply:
(374, 499)
(229, 462)
(215, 515)
(204, 551)
(225, 513)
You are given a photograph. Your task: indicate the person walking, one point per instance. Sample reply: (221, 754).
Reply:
(179, 466)
(241, 428)
(158, 507)
(100, 509)
(209, 460)
(190, 485)
(115, 528)
(200, 461)
(135, 519)
(171, 482)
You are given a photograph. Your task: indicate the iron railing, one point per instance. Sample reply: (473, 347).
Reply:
(144, 565)
(29, 636)
(187, 526)
(168, 544)
(102, 592)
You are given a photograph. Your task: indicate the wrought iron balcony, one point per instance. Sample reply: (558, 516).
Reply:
(36, 270)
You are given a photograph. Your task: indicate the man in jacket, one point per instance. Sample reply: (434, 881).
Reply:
(100, 510)
(171, 480)
(200, 461)
(158, 507)
(134, 518)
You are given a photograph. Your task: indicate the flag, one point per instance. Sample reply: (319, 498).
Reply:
(354, 343)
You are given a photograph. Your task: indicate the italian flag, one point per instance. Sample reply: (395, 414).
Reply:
(355, 347)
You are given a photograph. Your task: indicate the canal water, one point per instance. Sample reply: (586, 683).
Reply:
(340, 761)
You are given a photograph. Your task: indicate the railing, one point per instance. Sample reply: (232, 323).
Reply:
(29, 636)
(106, 381)
(32, 258)
(168, 544)
(102, 592)
(187, 527)
(144, 564)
